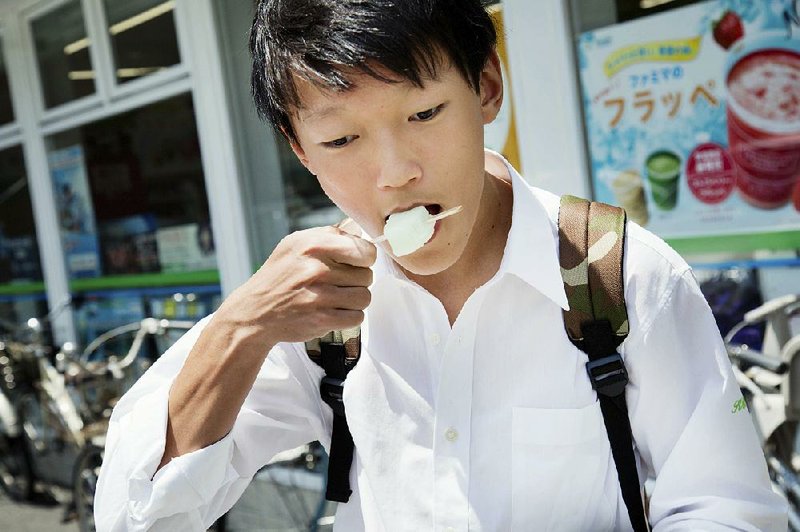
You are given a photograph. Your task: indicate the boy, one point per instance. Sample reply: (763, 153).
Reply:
(469, 408)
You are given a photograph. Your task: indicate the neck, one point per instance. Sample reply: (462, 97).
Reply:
(484, 251)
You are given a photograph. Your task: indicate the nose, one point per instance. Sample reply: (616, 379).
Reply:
(398, 163)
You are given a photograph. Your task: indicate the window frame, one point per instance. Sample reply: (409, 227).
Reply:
(11, 130)
(43, 113)
(197, 34)
(175, 72)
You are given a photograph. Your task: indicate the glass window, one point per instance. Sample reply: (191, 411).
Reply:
(19, 249)
(62, 54)
(143, 36)
(280, 195)
(16, 310)
(593, 14)
(102, 311)
(131, 193)
(306, 204)
(6, 110)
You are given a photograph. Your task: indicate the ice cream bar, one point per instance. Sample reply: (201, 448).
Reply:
(409, 230)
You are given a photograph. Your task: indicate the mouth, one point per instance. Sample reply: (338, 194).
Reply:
(432, 208)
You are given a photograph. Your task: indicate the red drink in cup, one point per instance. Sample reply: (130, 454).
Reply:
(764, 119)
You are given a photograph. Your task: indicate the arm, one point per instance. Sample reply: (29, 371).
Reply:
(710, 472)
(185, 440)
(315, 281)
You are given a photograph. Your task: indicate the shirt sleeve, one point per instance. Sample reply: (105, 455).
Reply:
(710, 472)
(281, 411)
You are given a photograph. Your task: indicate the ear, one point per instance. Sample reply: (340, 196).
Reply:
(298, 151)
(491, 85)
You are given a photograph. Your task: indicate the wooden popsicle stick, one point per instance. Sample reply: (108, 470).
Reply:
(445, 214)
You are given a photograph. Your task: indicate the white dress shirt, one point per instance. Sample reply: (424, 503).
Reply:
(490, 424)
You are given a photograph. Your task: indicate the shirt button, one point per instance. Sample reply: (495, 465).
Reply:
(451, 434)
(435, 339)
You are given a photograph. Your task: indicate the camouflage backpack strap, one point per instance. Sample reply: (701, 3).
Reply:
(337, 353)
(591, 240)
(349, 338)
(591, 245)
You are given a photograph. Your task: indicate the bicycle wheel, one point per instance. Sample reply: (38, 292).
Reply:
(782, 442)
(87, 468)
(16, 472)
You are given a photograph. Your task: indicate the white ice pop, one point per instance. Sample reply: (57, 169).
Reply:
(409, 230)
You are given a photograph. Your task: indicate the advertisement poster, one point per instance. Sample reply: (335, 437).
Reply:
(129, 245)
(188, 247)
(23, 254)
(75, 213)
(693, 118)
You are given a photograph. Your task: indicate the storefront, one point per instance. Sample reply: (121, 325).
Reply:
(636, 98)
(127, 145)
(134, 171)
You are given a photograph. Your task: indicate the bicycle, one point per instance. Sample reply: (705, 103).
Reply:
(55, 408)
(90, 380)
(770, 386)
(288, 493)
(21, 349)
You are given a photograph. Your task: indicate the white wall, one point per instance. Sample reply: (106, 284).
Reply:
(546, 95)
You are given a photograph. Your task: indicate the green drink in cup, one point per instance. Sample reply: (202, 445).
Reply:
(663, 172)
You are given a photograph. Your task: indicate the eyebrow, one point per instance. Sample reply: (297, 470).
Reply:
(319, 114)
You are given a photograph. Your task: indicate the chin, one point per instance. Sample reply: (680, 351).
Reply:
(429, 260)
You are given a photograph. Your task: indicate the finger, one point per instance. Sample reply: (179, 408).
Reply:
(348, 249)
(352, 298)
(344, 298)
(339, 274)
(349, 226)
(343, 319)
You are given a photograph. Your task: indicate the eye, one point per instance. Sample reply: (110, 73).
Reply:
(424, 116)
(340, 142)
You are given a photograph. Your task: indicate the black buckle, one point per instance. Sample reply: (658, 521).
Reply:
(331, 391)
(608, 375)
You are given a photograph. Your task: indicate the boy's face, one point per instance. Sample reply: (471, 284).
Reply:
(383, 147)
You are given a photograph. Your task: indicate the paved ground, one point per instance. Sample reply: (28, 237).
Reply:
(262, 507)
(42, 516)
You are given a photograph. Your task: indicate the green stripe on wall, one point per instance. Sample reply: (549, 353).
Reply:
(13, 289)
(146, 280)
(737, 243)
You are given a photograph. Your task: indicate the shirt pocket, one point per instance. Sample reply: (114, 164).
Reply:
(560, 460)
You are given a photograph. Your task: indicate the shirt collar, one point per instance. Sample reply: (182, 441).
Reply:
(531, 251)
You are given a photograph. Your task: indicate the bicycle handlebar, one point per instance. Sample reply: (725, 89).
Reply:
(749, 356)
(143, 328)
(770, 307)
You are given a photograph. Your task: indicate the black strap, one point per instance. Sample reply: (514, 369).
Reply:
(337, 366)
(608, 376)
(340, 460)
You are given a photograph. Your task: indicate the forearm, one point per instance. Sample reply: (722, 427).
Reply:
(210, 389)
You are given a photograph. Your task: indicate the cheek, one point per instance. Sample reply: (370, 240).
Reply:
(338, 192)
(348, 196)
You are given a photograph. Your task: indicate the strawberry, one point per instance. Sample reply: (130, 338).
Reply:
(728, 29)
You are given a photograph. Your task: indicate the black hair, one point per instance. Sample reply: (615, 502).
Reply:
(323, 41)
